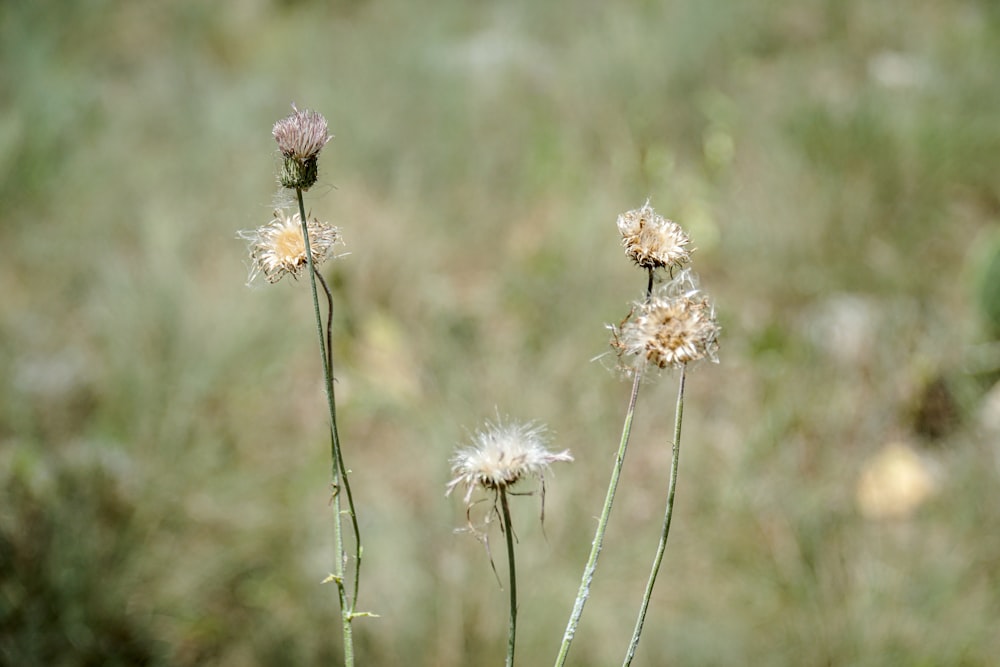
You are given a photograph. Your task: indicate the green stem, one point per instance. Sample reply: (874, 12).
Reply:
(346, 609)
(678, 418)
(335, 438)
(602, 524)
(509, 534)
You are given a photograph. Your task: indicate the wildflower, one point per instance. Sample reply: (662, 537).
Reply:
(277, 249)
(651, 240)
(674, 327)
(300, 136)
(502, 454)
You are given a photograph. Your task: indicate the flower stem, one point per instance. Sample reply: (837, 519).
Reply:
(595, 549)
(509, 534)
(335, 438)
(337, 469)
(602, 523)
(678, 418)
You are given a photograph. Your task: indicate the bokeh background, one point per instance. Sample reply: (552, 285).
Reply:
(163, 456)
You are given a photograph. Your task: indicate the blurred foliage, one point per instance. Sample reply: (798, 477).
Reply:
(163, 465)
(989, 286)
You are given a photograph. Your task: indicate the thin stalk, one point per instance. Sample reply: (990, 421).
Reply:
(346, 607)
(509, 534)
(340, 452)
(678, 418)
(602, 523)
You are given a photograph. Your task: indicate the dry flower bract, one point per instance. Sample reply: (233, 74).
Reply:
(277, 249)
(651, 240)
(502, 454)
(675, 326)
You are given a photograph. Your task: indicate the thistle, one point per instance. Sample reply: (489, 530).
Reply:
(292, 244)
(278, 248)
(674, 327)
(300, 136)
(671, 327)
(500, 456)
(652, 241)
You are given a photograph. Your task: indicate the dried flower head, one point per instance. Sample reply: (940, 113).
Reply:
(278, 249)
(501, 454)
(300, 136)
(674, 327)
(651, 240)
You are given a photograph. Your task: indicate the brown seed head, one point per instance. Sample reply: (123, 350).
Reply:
(651, 240)
(674, 327)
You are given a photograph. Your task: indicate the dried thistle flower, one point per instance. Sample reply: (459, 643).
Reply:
(651, 240)
(674, 327)
(502, 454)
(277, 249)
(300, 136)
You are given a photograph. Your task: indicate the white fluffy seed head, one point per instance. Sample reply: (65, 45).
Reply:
(501, 454)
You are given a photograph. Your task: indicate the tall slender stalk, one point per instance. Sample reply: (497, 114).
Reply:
(675, 456)
(338, 472)
(602, 523)
(334, 438)
(508, 530)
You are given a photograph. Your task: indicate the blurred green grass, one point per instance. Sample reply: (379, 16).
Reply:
(164, 491)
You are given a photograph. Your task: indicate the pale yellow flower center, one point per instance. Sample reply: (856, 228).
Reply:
(288, 245)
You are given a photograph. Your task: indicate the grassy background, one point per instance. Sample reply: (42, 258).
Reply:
(164, 465)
